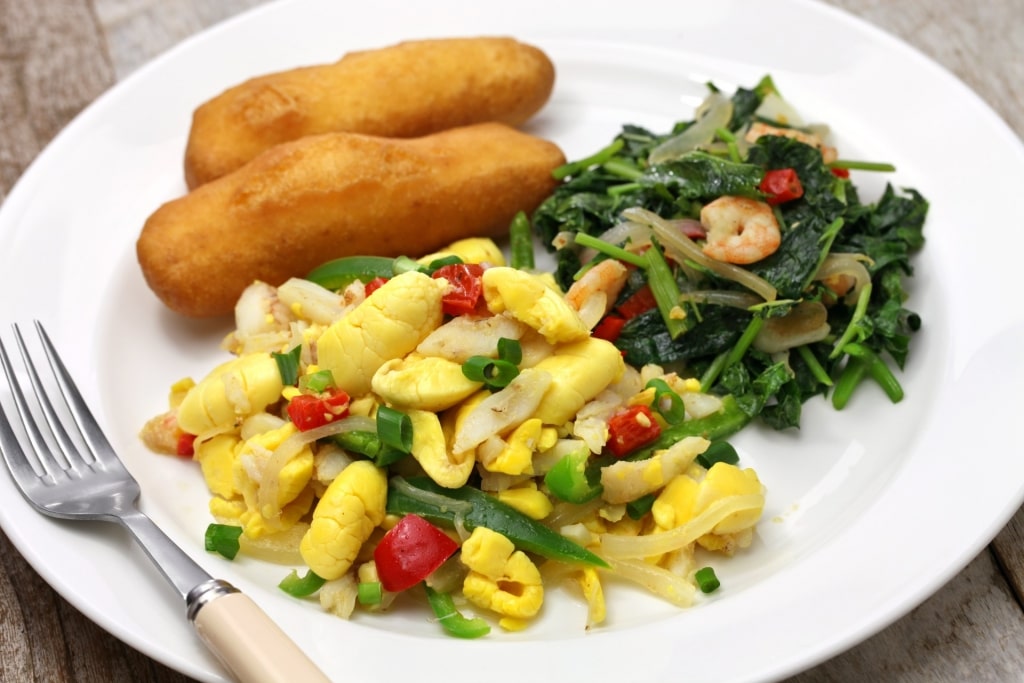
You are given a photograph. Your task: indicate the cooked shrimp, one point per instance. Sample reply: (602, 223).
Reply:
(594, 294)
(740, 230)
(757, 129)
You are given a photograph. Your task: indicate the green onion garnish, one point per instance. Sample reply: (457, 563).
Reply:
(510, 350)
(288, 365)
(223, 539)
(493, 373)
(666, 292)
(300, 587)
(668, 403)
(706, 580)
(370, 593)
(394, 429)
(403, 264)
(718, 451)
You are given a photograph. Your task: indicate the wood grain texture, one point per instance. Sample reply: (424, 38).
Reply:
(56, 56)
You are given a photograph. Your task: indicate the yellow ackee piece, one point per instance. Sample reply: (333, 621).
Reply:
(517, 455)
(351, 507)
(529, 299)
(580, 371)
(470, 250)
(724, 480)
(422, 382)
(233, 390)
(216, 457)
(430, 449)
(527, 499)
(500, 577)
(388, 324)
(593, 593)
(293, 497)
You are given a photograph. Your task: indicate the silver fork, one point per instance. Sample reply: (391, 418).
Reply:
(81, 477)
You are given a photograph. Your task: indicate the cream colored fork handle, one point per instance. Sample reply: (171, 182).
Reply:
(250, 644)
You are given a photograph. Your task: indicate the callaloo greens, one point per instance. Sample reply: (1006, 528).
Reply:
(841, 262)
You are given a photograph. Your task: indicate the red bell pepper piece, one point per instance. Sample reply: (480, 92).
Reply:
(464, 287)
(609, 328)
(781, 185)
(641, 301)
(186, 445)
(410, 552)
(374, 284)
(309, 411)
(840, 172)
(631, 429)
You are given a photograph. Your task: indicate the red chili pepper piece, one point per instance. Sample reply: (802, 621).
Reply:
(464, 287)
(186, 445)
(374, 284)
(840, 172)
(781, 185)
(639, 302)
(609, 328)
(410, 552)
(309, 411)
(631, 429)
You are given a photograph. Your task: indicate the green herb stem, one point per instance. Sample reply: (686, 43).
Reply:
(622, 169)
(849, 379)
(853, 329)
(739, 350)
(597, 158)
(608, 249)
(851, 164)
(812, 363)
(666, 292)
(878, 371)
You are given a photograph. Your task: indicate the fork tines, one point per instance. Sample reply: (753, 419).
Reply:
(51, 447)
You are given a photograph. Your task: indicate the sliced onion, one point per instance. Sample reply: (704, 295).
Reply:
(805, 324)
(774, 108)
(666, 584)
(715, 113)
(503, 410)
(619, 546)
(721, 297)
(634, 235)
(850, 265)
(292, 446)
(681, 248)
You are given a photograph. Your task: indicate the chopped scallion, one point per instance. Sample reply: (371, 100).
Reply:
(706, 580)
(494, 373)
(394, 429)
(370, 593)
(288, 365)
(510, 350)
(718, 451)
(666, 402)
(666, 292)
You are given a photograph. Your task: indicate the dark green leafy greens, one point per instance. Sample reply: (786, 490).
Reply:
(828, 218)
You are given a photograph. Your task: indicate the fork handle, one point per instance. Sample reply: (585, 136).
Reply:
(246, 641)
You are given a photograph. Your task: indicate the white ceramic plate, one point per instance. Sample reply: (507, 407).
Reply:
(869, 510)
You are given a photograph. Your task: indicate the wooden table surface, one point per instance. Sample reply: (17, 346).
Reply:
(56, 56)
